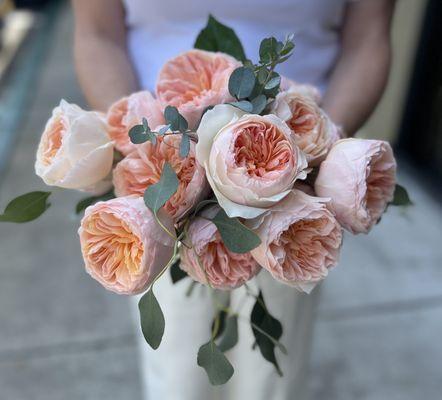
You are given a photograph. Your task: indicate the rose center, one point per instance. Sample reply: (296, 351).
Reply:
(52, 141)
(261, 148)
(303, 119)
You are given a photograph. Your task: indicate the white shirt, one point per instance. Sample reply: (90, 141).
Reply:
(161, 29)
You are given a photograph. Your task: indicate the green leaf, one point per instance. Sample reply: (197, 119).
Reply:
(145, 124)
(273, 82)
(217, 366)
(401, 197)
(243, 105)
(241, 82)
(184, 145)
(261, 317)
(163, 129)
(218, 37)
(221, 316)
(259, 103)
(176, 273)
(152, 319)
(88, 201)
(137, 134)
(156, 195)
(268, 50)
(229, 338)
(176, 121)
(236, 237)
(203, 204)
(26, 207)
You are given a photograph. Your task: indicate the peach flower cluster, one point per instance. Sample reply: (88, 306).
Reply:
(256, 168)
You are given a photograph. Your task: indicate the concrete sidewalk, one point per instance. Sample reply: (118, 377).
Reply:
(63, 337)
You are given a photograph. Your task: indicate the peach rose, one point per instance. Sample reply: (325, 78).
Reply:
(303, 89)
(251, 161)
(75, 151)
(210, 262)
(300, 240)
(128, 112)
(195, 80)
(360, 177)
(314, 132)
(143, 167)
(123, 246)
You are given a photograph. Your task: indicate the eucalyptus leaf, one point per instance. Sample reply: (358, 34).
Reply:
(145, 124)
(218, 37)
(217, 366)
(138, 134)
(163, 129)
(242, 82)
(273, 82)
(176, 273)
(236, 237)
(259, 103)
(229, 338)
(261, 317)
(268, 50)
(152, 319)
(243, 105)
(184, 145)
(157, 194)
(88, 201)
(401, 197)
(176, 121)
(26, 207)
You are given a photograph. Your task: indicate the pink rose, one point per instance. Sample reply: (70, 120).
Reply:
(123, 246)
(195, 80)
(314, 132)
(251, 161)
(210, 262)
(128, 112)
(75, 151)
(300, 240)
(360, 177)
(303, 89)
(143, 167)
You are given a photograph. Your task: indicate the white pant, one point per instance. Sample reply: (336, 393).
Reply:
(171, 372)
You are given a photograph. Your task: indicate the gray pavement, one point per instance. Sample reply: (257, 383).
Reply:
(63, 337)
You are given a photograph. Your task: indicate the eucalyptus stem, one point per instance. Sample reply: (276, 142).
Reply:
(164, 228)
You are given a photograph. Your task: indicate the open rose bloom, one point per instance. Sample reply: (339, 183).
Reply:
(226, 171)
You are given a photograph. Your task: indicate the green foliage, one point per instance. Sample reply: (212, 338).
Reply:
(26, 207)
(141, 133)
(218, 37)
(184, 145)
(401, 197)
(88, 201)
(229, 337)
(176, 273)
(152, 319)
(243, 105)
(259, 103)
(176, 121)
(156, 195)
(241, 82)
(267, 331)
(217, 366)
(237, 237)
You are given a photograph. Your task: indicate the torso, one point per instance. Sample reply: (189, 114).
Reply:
(159, 30)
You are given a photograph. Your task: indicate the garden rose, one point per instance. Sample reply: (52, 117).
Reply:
(143, 167)
(210, 262)
(128, 112)
(301, 88)
(75, 151)
(123, 246)
(300, 240)
(195, 80)
(359, 176)
(251, 161)
(314, 132)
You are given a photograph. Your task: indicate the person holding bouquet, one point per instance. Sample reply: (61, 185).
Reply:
(342, 48)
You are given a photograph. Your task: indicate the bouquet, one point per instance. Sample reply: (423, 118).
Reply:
(229, 171)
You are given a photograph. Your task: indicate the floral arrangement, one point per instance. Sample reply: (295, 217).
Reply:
(229, 171)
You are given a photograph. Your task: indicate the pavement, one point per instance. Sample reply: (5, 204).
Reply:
(63, 337)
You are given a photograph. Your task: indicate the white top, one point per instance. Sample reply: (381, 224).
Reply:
(161, 29)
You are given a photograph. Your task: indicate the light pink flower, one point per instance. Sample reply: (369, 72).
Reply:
(123, 246)
(251, 161)
(75, 151)
(359, 176)
(300, 240)
(143, 167)
(314, 132)
(210, 262)
(303, 89)
(128, 112)
(195, 80)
